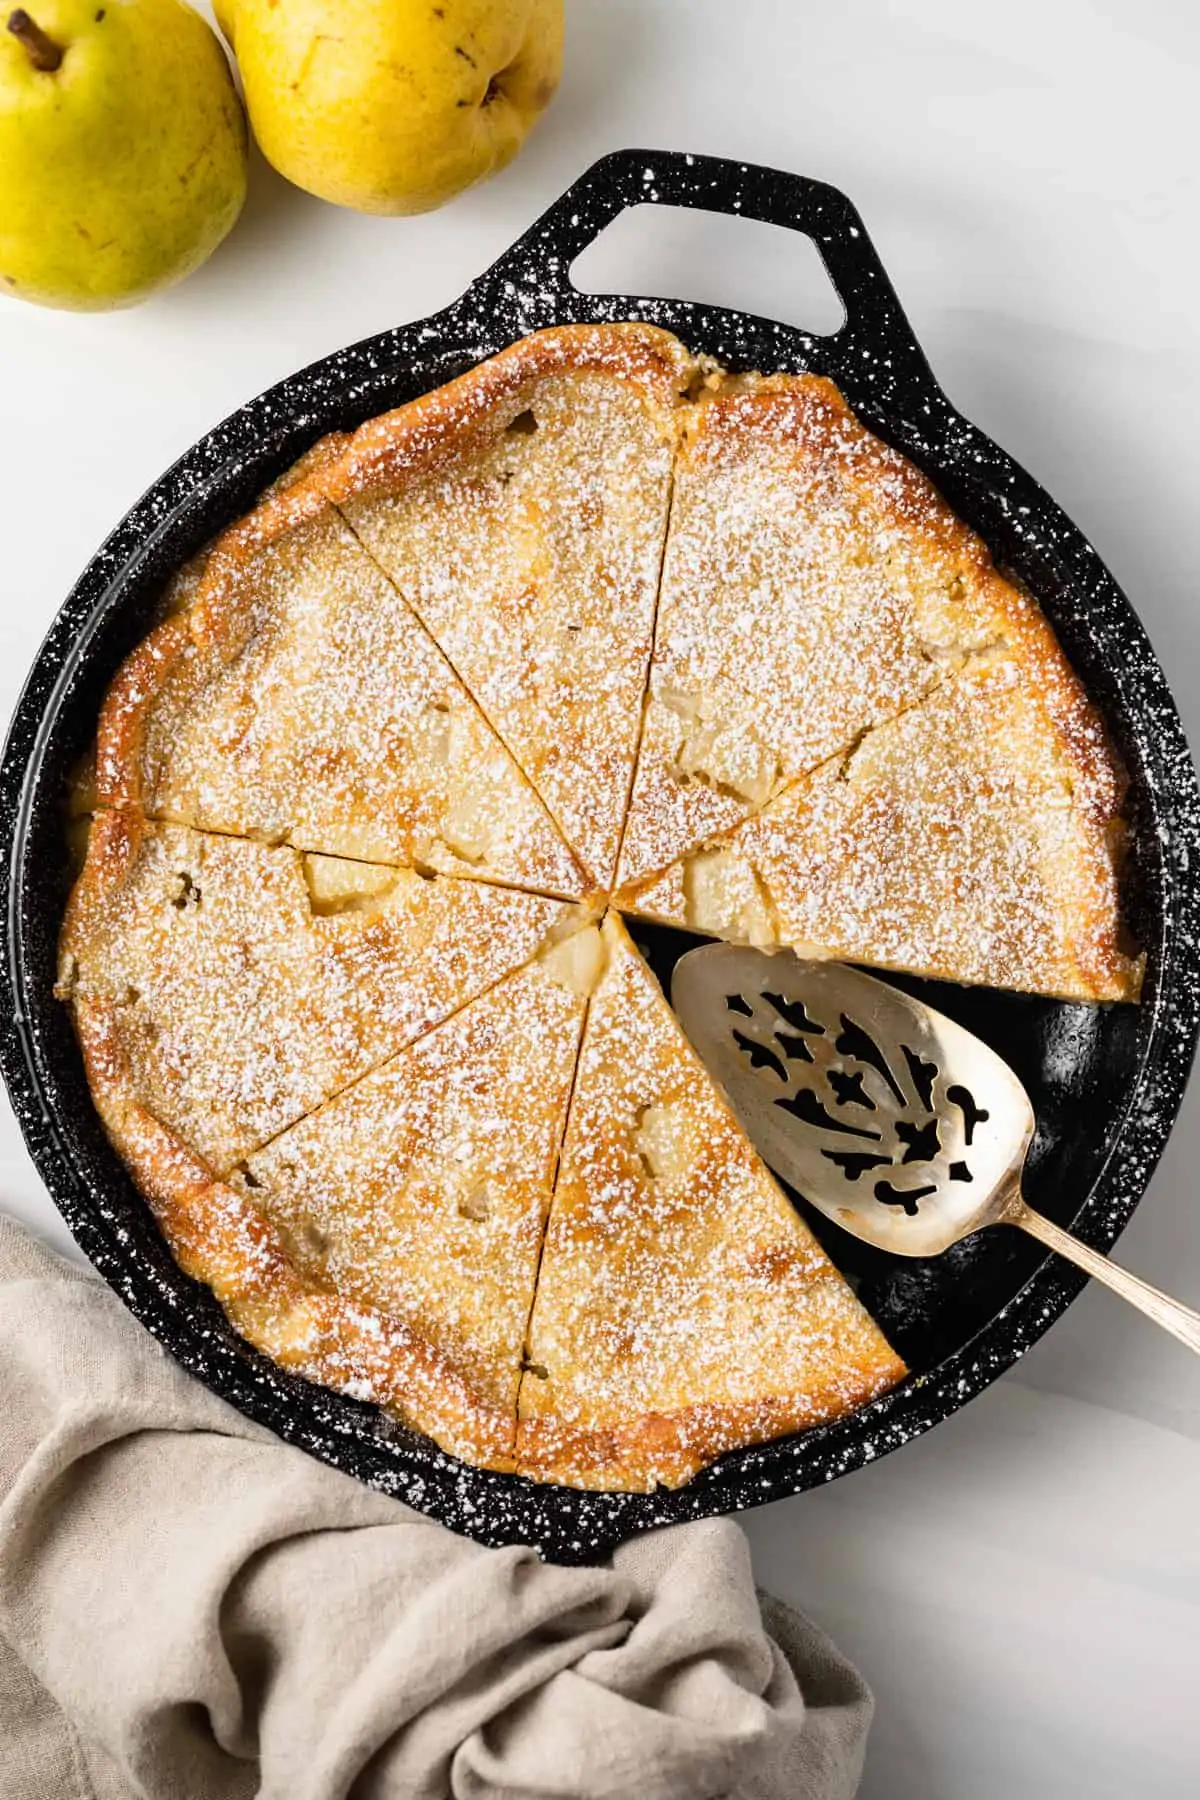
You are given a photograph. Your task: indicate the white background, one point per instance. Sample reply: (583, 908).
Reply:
(1022, 1586)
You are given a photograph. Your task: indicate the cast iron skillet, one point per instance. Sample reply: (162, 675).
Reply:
(1106, 1082)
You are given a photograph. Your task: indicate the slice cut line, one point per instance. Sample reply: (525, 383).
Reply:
(293, 697)
(682, 1307)
(418, 1199)
(522, 512)
(975, 838)
(230, 987)
(814, 586)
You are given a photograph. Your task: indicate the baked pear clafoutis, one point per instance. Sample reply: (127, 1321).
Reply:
(240, 985)
(592, 617)
(295, 698)
(522, 513)
(973, 838)
(682, 1306)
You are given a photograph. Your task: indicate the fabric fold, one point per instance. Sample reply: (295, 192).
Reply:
(189, 1606)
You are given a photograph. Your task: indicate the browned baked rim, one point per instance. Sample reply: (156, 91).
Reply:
(417, 437)
(218, 1237)
(668, 1449)
(808, 414)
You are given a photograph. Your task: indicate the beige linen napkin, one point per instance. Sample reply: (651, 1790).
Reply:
(192, 1610)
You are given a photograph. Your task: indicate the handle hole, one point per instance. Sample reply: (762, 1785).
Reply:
(688, 253)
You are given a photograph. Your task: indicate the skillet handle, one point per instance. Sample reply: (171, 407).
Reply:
(876, 330)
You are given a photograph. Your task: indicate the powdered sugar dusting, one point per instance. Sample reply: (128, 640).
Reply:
(961, 841)
(681, 1302)
(814, 585)
(421, 1192)
(533, 557)
(251, 983)
(300, 700)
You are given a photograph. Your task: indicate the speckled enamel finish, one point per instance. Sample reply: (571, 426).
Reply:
(1106, 1083)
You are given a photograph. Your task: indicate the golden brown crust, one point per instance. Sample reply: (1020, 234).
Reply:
(212, 618)
(427, 431)
(521, 512)
(416, 435)
(683, 1308)
(668, 1449)
(218, 1237)
(786, 437)
(296, 698)
(808, 413)
(114, 839)
(423, 1190)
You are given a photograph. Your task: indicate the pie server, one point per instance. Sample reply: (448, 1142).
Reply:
(895, 1122)
(1106, 1082)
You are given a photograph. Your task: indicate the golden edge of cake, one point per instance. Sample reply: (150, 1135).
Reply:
(810, 412)
(984, 611)
(203, 604)
(670, 1449)
(532, 553)
(218, 1237)
(200, 610)
(425, 432)
(1094, 960)
(793, 1280)
(212, 1226)
(811, 405)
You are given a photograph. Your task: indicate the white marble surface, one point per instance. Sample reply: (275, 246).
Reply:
(1022, 1586)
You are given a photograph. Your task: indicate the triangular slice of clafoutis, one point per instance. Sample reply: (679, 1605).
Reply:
(292, 696)
(683, 1308)
(401, 1225)
(222, 989)
(976, 838)
(522, 511)
(814, 585)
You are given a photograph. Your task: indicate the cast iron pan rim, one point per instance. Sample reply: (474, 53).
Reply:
(528, 288)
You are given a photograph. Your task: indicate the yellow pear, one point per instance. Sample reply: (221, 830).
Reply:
(393, 106)
(122, 149)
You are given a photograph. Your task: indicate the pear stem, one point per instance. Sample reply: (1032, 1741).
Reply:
(42, 51)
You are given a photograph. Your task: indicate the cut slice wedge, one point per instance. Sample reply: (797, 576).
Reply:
(522, 511)
(411, 1211)
(293, 697)
(683, 1308)
(814, 585)
(976, 838)
(224, 988)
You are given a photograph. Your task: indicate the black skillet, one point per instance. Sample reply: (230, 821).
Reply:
(1106, 1082)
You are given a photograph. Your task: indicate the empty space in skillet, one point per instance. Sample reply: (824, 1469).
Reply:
(1105, 1081)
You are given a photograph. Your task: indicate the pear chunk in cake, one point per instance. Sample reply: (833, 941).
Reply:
(522, 510)
(683, 1308)
(976, 838)
(814, 585)
(292, 696)
(224, 988)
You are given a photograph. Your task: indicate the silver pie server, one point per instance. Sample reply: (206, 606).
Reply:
(894, 1121)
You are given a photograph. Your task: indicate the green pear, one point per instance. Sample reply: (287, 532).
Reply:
(122, 149)
(393, 106)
